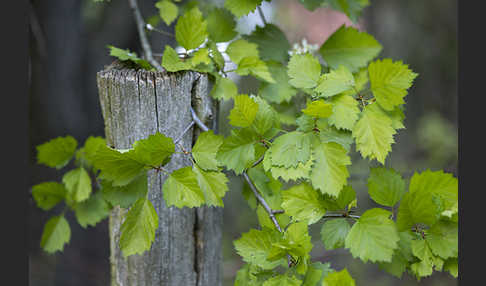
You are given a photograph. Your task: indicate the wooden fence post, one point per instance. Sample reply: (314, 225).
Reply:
(187, 246)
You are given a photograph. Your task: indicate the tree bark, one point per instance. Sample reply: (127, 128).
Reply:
(187, 246)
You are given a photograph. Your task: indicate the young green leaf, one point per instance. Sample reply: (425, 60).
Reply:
(255, 67)
(200, 57)
(341, 137)
(329, 172)
(138, 229)
(171, 61)
(92, 210)
(316, 273)
(336, 81)
(345, 111)
(442, 238)
(386, 186)
(244, 111)
(339, 278)
(126, 195)
(126, 55)
(56, 234)
(241, 7)
(155, 150)
(272, 43)
(451, 265)
(57, 152)
(373, 237)
(254, 247)
(190, 30)
(291, 148)
(221, 25)
(349, 47)
(318, 109)
(78, 184)
(205, 150)
(48, 194)
(374, 133)
(240, 49)
(168, 11)
(283, 280)
(224, 88)
(418, 207)
(304, 71)
(87, 154)
(120, 168)
(213, 184)
(389, 82)
(238, 150)
(334, 233)
(303, 203)
(352, 8)
(440, 184)
(281, 90)
(181, 189)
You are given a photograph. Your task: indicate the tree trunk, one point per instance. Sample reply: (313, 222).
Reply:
(187, 246)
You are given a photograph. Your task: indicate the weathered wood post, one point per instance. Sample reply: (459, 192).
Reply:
(187, 246)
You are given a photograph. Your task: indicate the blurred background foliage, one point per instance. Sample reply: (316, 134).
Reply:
(68, 41)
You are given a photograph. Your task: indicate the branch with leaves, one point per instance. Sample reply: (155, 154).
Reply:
(353, 103)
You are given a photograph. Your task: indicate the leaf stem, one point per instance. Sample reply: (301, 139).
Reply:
(262, 16)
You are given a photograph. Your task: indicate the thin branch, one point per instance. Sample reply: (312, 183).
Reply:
(258, 161)
(341, 215)
(271, 213)
(152, 28)
(262, 15)
(143, 37)
(198, 121)
(184, 132)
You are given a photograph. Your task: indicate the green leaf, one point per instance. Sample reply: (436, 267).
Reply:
(373, 237)
(92, 210)
(316, 273)
(291, 173)
(221, 25)
(451, 265)
(120, 168)
(304, 71)
(283, 280)
(318, 109)
(396, 267)
(213, 184)
(297, 243)
(126, 195)
(442, 238)
(190, 30)
(250, 275)
(205, 150)
(329, 172)
(389, 82)
(345, 111)
(341, 137)
(386, 186)
(352, 8)
(374, 133)
(254, 247)
(241, 7)
(216, 55)
(138, 229)
(171, 61)
(48, 194)
(272, 43)
(266, 118)
(86, 155)
(339, 278)
(181, 189)
(416, 208)
(57, 152)
(126, 55)
(349, 47)
(291, 148)
(168, 11)
(255, 67)
(244, 111)
(334, 232)
(56, 234)
(346, 197)
(304, 203)
(200, 57)
(238, 150)
(336, 81)
(281, 90)
(155, 150)
(224, 88)
(421, 250)
(438, 183)
(240, 49)
(78, 184)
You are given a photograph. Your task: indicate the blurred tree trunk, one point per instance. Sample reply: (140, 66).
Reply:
(187, 246)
